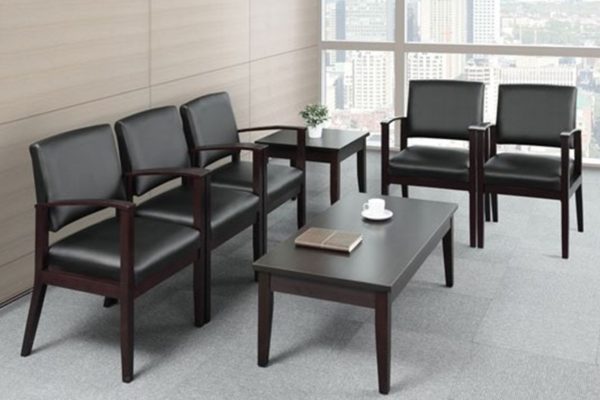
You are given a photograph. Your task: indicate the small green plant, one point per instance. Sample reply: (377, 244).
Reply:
(315, 114)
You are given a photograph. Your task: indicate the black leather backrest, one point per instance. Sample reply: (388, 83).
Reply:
(444, 108)
(80, 164)
(152, 139)
(209, 120)
(535, 114)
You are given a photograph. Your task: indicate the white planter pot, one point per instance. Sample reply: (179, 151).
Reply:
(315, 132)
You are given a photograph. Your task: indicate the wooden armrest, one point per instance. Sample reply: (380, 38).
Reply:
(568, 137)
(117, 204)
(259, 165)
(482, 128)
(569, 140)
(300, 161)
(193, 173)
(391, 120)
(254, 147)
(273, 127)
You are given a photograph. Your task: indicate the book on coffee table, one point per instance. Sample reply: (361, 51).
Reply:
(329, 239)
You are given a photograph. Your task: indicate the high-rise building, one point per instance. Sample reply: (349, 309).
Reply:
(426, 66)
(412, 21)
(372, 80)
(442, 21)
(363, 20)
(485, 20)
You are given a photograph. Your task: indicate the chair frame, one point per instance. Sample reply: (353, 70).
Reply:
(259, 163)
(568, 140)
(299, 162)
(125, 289)
(475, 147)
(208, 243)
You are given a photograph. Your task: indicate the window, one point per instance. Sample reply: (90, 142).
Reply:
(514, 22)
(367, 45)
(359, 87)
(359, 20)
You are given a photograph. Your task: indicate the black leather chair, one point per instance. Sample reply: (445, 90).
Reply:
(76, 174)
(155, 139)
(439, 109)
(539, 115)
(210, 124)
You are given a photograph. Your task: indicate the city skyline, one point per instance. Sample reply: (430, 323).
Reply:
(359, 85)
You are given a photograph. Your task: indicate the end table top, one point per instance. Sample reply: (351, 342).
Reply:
(332, 139)
(388, 249)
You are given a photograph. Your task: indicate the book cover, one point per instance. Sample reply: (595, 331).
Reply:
(329, 239)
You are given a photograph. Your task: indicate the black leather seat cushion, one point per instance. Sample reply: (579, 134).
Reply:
(516, 169)
(432, 162)
(282, 181)
(95, 250)
(231, 210)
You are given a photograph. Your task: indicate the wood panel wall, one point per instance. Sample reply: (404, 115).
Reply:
(70, 63)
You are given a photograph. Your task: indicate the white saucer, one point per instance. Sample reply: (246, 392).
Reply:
(386, 214)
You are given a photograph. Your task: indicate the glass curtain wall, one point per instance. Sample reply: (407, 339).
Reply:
(372, 48)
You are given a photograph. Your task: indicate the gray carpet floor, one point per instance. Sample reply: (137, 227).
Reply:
(520, 322)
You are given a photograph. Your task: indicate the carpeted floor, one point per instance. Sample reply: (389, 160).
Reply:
(520, 322)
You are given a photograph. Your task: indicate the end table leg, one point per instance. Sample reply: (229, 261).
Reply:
(361, 169)
(448, 245)
(383, 328)
(265, 317)
(334, 181)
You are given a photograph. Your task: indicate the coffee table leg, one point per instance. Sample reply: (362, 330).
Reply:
(361, 169)
(448, 244)
(334, 181)
(265, 317)
(383, 328)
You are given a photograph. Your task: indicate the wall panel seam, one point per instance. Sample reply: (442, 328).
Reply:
(139, 89)
(284, 53)
(16, 259)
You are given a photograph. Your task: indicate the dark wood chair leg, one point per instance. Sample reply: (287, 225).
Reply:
(301, 207)
(473, 217)
(35, 310)
(207, 287)
(109, 302)
(404, 190)
(385, 189)
(579, 206)
(257, 245)
(481, 198)
(494, 207)
(564, 202)
(488, 212)
(199, 285)
(383, 328)
(127, 337)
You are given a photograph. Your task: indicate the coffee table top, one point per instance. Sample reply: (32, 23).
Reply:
(332, 139)
(388, 252)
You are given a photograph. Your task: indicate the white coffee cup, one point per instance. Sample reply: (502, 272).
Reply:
(374, 206)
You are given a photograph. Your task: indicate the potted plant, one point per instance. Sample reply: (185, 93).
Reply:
(315, 115)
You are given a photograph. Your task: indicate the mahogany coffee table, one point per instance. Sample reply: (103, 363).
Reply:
(371, 276)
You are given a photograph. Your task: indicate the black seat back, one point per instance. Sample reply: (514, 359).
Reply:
(209, 120)
(152, 139)
(79, 164)
(444, 109)
(535, 114)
